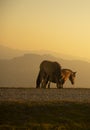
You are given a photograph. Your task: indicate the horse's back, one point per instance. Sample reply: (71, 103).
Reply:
(50, 66)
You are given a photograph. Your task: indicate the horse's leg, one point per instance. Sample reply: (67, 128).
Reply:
(48, 84)
(63, 82)
(59, 84)
(38, 81)
(45, 81)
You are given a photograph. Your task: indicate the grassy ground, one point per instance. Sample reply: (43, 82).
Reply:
(44, 116)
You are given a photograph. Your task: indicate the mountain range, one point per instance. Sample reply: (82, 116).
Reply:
(20, 68)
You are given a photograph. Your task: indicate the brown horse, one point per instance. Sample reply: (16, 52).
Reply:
(49, 69)
(65, 74)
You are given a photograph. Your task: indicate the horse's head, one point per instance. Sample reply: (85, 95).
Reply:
(72, 77)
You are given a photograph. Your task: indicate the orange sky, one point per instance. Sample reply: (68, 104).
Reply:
(57, 25)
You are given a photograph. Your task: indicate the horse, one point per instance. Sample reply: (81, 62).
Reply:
(65, 74)
(48, 69)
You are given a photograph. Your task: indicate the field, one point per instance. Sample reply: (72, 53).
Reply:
(44, 109)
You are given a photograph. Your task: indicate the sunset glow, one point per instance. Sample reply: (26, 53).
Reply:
(56, 25)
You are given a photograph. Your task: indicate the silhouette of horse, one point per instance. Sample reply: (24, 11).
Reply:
(49, 69)
(65, 74)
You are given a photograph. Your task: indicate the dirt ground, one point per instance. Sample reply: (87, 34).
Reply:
(45, 95)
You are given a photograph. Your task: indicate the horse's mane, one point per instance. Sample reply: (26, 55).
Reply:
(67, 70)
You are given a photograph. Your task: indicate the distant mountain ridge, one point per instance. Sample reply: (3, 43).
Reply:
(22, 71)
(9, 53)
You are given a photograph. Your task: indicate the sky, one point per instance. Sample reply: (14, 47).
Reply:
(61, 26)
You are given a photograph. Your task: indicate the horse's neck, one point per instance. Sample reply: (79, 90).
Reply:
(65, 75)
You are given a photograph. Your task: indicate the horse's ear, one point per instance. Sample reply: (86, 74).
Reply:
(75, 73)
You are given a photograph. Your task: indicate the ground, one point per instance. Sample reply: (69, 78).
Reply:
(23, 113)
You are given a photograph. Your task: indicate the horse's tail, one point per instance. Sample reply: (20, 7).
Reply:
(38, 81)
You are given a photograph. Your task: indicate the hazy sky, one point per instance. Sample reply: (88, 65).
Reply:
(57, 25)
